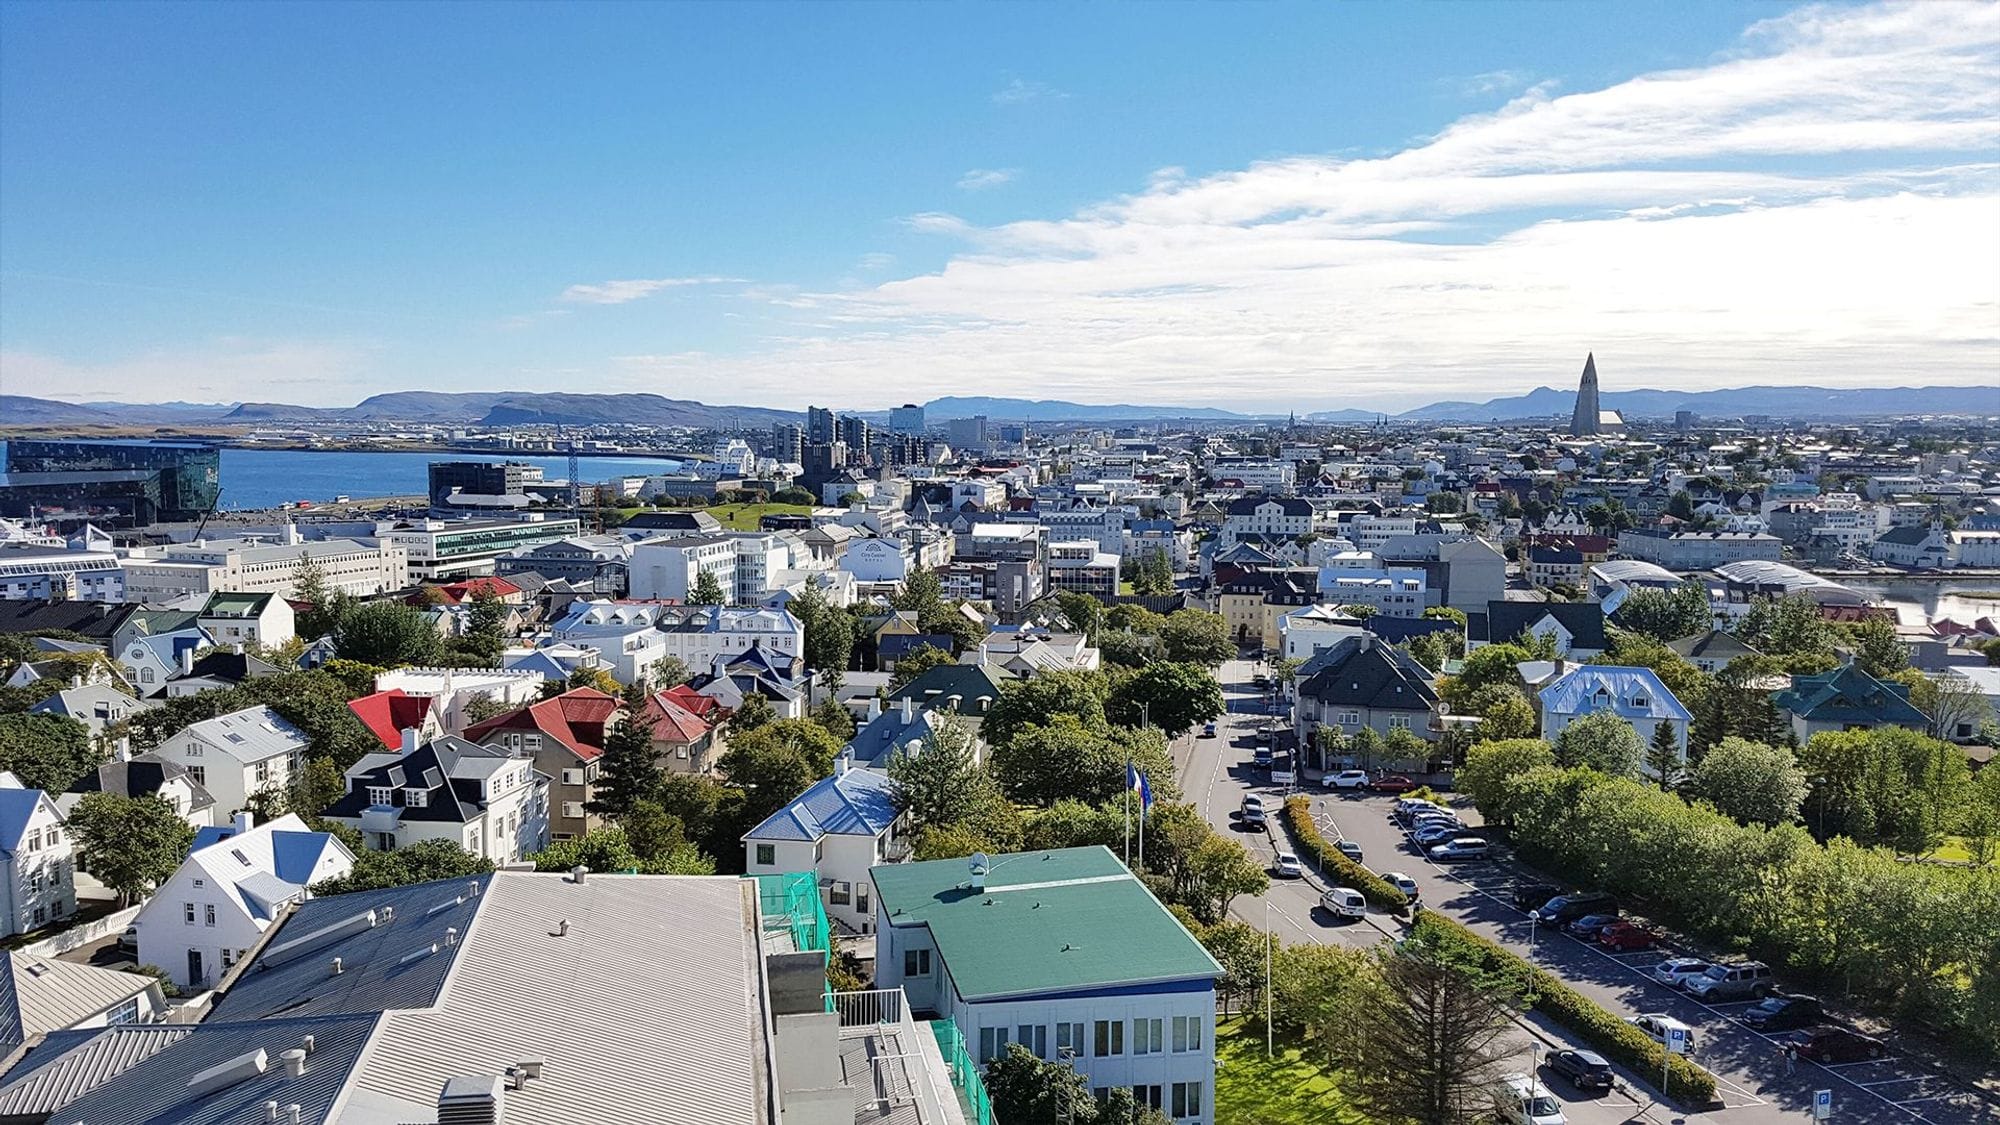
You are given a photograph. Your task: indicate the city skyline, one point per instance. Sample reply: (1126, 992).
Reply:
(1284, 207)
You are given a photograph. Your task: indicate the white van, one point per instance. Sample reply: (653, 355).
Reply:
(1344, 902)
(1520, 1100)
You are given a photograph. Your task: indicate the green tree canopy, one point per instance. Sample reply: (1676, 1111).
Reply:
(46, 752)
(707, 590)
(777, 762)
(1491, 766)
(131, 844)
(915, 663)
(1039, 699)
(1752, 782)
(421, 862)
(388, 635)
(1668, 615)
(1601, 741)
(1196, 636)
(1173, 696)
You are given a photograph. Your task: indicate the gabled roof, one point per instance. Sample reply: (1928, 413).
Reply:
(1365, 672)
(672, 720)
(878, 739)
(92, 619)
(969, 682)
(141, 776)
(50, 995)
(387, 714)
(232, 667)
(282, 849)
(1849, 695)
(705, 707)
(1633, 693)
(574, 719)
(853, 802)
(1505, 620)
(250, 735)
(450, 771)
(1712, 645)
(17, 807)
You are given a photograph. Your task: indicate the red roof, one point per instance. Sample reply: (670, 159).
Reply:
(708, 708)
(575, 719)
(387, 714)
(456, 593)
(673, 721)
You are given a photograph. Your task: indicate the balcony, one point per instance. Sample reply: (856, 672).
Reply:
(898, 1072)
(381, 818)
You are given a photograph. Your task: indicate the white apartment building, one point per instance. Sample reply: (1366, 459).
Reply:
(250, 566)
(669, 569)
(1103, 526)
(235, 755)
(630, 637)
(456, 688)
(32, 570)
(1392, 591)
(1285, 517)
(443, 550)
(1371, 532)
(876, 560)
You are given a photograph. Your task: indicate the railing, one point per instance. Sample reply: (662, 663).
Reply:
(857, 1009)
(791, 902)
(964, 1072)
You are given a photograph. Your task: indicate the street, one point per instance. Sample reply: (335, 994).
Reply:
(1215, 775)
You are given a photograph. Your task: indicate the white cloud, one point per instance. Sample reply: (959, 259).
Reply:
(622, 292)
(224, 369)
(979, 179)
(1491, 82)
(1821, 205)
(1019, 91)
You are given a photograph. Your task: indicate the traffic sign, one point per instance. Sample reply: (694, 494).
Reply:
(1677, 1040)
(1822, 1104)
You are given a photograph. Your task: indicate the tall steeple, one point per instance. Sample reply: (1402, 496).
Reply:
(1584, 423)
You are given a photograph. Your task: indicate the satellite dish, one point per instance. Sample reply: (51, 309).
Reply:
(980, 864)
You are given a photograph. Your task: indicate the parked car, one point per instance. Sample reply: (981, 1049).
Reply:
(1404, 884)
(1529, 898)
(128, 942)
(1627, 937)
(1431, 835)
(1434, 816)
(1738, 980)
(1287, 866)
(1570, 907)
(1253, 809)
(1783, 1013)
(1520, 1100)
(1465, 847)
(1590, 925)
(1393, 783)
(1350, 849)
(1347, 779)
(1344, 902)
(1586, 1070)
(1657, 1025)
(1675, 971)
(1839, 1045)
(1261, 756)
(1408, 807)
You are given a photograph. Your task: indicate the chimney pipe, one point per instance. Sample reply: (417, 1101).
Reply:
(295, 1062)
(451, 935)
(577, 873)
(237, 648)
(295, 1114)
(337, 970)
(270, 1111)
(187, 661)
(307, 1046)
(409, 740)
(903, 707)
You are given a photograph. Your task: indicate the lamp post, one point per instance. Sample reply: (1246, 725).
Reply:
(1270, 939)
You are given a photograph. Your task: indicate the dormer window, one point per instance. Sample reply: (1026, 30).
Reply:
(1640, 701)
(416, 798)
(381, 795)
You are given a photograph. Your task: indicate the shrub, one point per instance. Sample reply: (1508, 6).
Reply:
(1609, 1035)
(1338, 868)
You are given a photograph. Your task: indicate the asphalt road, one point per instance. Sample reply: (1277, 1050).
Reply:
(1216, 773)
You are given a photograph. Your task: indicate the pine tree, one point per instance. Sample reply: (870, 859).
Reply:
(707, 591)
(628, 773)
(1663, 757)
(1710, 726)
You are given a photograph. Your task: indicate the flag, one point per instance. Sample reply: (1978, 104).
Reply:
(1132, 782)
(1145, 792)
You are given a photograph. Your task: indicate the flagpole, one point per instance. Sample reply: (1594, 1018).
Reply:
(1127, 802)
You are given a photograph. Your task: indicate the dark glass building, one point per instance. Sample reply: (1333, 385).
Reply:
(129, 483)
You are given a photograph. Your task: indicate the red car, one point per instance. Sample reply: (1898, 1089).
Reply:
(1627, 937)
(1392, 784)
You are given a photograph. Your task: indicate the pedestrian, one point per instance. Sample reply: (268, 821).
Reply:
(1791, 1053)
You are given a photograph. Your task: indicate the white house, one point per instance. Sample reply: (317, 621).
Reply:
(1309, 629)
(148, 661)
(670, 568)
(40, 863)
(235, 755)
(264, 619)
(234, 883)
(1635, 695)
(631, 637)
(489, 800)
(841, 827)
(1064, 952)
(52, 995)
(456, 688)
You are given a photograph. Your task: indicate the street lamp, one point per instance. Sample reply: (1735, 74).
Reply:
(1270, 939)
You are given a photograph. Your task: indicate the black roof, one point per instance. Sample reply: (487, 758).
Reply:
(428, 767)
(1504, 620)
(695, 520)
(141, 776)
(1397, 630)
(1248, 505)
(967, 681)
(91, 619)
(1364, 672)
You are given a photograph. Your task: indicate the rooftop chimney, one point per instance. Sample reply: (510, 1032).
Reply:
(409, 740)
(472, 1100)
(187, 660)
(577, 873)
(336, 968)
(295, 1062)
(245, 821)
(903, 707)
(841, 764)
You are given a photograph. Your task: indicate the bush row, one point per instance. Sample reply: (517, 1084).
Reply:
(1337, 867)
(1609, 1035)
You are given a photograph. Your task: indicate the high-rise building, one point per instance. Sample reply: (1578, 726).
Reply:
(967, 433)
(858, 436)
(128, 482)
(788, 442)
(821, 429)
(907, 419)
(480, 478)
(1585, 421)
(825, 458)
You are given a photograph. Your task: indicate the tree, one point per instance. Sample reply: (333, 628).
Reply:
(485, 629)
(46, 752)
(1668, 615)
(388, 635)
(600, 851)
(1154, 576)
(1025, 1088)
(1954, 705)
(1196, 636)
(1601, 741)
(1790, 628)
(836, 719)
(1490, 766)
(1220, 870)
(1172, 696)
(1065, 757)
(1431, 1046)
(829, 633)
(628, 770)
(1491, 666)
(942, 783)
(1979, 817)
(1887, 786)
(1877, 649)
(1039, 699)
(422, 862)
(1752, 782)
(669, 672)
(915, 663)
(1506, 716)
(1128, 649)
(1084, 613)
(1136, 618)
(755, 712)
(707, 591)
(1663, 756)
(321, 614)
(131, 844)
(777, 762)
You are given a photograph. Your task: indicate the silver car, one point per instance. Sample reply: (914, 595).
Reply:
(1675, 972)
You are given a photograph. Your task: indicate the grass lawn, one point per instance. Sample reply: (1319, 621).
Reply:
(1286, 1090)
(744, 517)
(1952, 850)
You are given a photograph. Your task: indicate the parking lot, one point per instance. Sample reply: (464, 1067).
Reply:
(1755, 1080)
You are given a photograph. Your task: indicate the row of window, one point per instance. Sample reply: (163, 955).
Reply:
(1152, 1035)
(1184, 1099)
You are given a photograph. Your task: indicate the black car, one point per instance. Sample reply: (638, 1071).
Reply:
(1783, 1013)
(1570, 907)
(1586, 1070)
(1530, 898)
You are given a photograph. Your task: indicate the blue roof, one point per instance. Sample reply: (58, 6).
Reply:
(296, 854)
(1850, 696)
(11, 1034)
(537, 661)
(1628, 692)
(859, 802)
(375, 975)
(16, 807)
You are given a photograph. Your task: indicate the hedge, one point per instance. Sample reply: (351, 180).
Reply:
(1609, 1035)
(1337, 867)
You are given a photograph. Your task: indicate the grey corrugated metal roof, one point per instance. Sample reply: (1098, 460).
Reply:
(647, 1011)
(69, 1064)
(374, 975)
(56, 994)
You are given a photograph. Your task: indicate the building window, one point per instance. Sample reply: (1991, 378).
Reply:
(127, 1012)
(992, 1043)
(916, 962)
(228, 959)
(1187, 1033)
(1069, 1038)
(1108, 1038)
(208, 914)
(1035, 1037)
(263, 771)
(187, 913)
(1399, 722)
(35, 840)
(198, 774)
(767, 855)
(1146, 1036)
(53, 838)
(1187, 1099)
(572, 777)
(416, 798)
(1350, 718)
(573, 809)
(380, 795)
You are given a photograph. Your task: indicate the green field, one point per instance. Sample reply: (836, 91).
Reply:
(1953, 850)
(744, 517)
(1289, 1089)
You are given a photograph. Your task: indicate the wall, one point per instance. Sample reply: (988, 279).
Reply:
(76, 937)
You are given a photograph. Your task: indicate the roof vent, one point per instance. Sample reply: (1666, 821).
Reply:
(980, 866)
(472, 1100)
(295, 1062)
(419, 953)
(270, 1111)
(472, 889)
(228, 1073)
(451, 935)
(577, 873)
(337, 968)
(324, 936)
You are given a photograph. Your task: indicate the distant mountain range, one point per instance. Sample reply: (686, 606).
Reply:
(503, 408)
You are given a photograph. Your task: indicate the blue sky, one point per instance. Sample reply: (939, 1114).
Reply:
(1257, 204)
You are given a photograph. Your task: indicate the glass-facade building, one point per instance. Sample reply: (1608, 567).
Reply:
(132, 483)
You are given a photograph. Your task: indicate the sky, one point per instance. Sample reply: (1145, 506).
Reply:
(1263, 206)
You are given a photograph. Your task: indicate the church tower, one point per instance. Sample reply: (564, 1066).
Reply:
(1584, 423)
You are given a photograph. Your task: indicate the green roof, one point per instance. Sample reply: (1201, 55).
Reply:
(1066, 920)
(235, 605)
